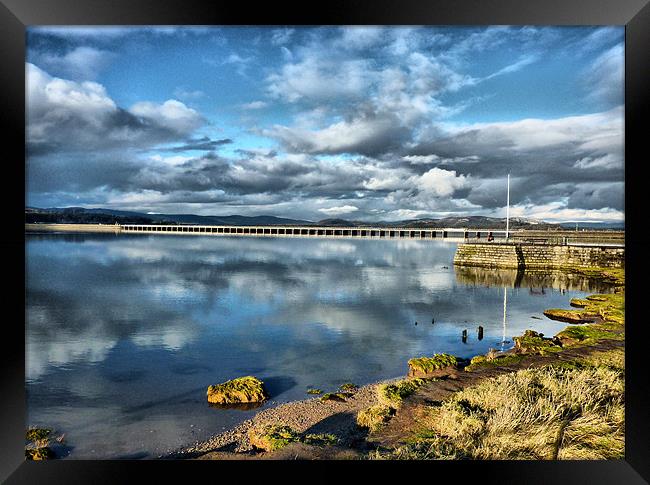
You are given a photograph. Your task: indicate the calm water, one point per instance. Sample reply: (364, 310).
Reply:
(124, 333)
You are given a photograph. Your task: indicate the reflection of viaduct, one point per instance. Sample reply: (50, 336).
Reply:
(520, 278)
(373, 232)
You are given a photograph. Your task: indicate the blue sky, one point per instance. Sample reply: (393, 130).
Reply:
(370, 123)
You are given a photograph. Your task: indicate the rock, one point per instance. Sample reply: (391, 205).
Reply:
(570, 316)
(534, 342)
(247, 389)
(438, 365)
(579, 302)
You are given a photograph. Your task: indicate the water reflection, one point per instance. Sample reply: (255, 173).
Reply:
(124, 333)
(535, 280)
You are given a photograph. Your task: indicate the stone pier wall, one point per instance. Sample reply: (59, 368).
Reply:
(538, 256)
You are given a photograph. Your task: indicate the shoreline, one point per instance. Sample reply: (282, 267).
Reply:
(339, 418)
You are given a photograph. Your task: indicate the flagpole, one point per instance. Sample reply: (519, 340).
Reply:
(508, 210)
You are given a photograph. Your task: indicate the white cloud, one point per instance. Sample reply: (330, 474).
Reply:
(82, 63)
(606, 161)
(441, 183)
(171, 114)
(340, 210)
(558, 212)
(605, 78)
(81, 115)
(319, 79)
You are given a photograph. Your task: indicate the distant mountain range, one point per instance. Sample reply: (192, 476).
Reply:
(110, 216)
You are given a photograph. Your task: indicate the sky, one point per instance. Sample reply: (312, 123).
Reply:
(360, 122)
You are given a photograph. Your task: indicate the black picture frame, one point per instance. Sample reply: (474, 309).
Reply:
(15, 15)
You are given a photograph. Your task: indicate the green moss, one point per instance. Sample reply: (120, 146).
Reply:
(34, 434)
(323, 439)
(375, 416)
(240, 390)
(430, 364)
(335, 396)
(394, 394)
(480, 361)
(314, 391)
(272, 437)
(349, 387)
(578, 302)
(535, 343)
(588, 334)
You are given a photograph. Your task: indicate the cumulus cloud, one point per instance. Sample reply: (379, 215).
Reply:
(367, 135)
(68, 115)
(319, 79)
(441, 183)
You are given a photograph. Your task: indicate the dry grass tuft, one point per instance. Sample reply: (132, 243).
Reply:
(546, 413)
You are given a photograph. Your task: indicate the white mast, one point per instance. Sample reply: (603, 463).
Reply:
(508, 210)
(505, 305)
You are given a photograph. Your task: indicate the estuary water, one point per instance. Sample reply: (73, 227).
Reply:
(125, 332)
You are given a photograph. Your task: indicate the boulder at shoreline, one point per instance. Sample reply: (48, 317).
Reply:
(438, 365)
(241, 390)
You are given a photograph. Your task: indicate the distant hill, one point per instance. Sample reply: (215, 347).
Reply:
(619, 226)
(111, 216)
(476, 222)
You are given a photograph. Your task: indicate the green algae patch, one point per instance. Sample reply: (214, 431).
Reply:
(335, 396)
(314, 391)
(241, 390)
(394, 394)
(573, 335)
(427, 366)
(532, 342)
(35, 434)
(374, 417)
(349, 387)
(321, 439)
(43, 444)
(272, 437)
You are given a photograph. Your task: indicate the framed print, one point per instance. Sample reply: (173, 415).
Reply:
(368, 235)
